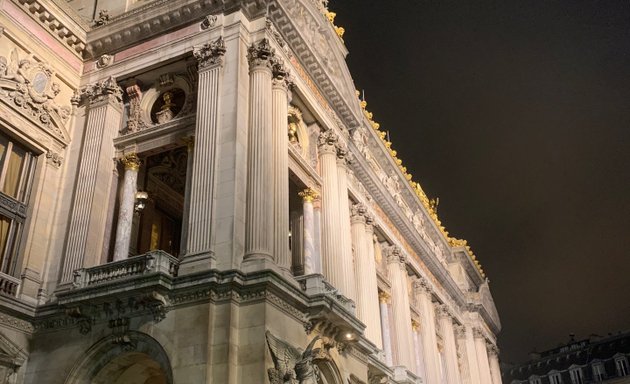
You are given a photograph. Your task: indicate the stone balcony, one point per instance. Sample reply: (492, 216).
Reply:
(145, 264)
(9, 285)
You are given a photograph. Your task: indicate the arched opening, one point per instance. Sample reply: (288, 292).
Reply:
(328, 372)
(134, 358)
(131, 368)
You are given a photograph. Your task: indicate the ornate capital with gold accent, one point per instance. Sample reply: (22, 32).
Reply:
(190, 142)
(131, 162)
(383, 297)
(415, 325)
(327, 142)
(308, 195)
(261, 54)
(210, 54)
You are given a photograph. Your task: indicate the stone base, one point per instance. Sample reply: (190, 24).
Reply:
(196, 263)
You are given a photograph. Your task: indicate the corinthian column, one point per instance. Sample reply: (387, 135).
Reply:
(471, 354)
(88, 216)
(460, 336)
(450, 349)
(396, 262)
(308, 238)
(429, 339)
(365, 273)
(131, 162)
(345, 244)
(495, 368)
(417, 346)
(280, 96)
(482, 357)
(330, 225)
(259, 202)
(198, 251)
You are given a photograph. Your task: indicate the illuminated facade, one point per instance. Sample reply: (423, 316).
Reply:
(192, 192)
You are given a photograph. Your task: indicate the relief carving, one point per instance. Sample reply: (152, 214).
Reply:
(29, 86)
(291, 365)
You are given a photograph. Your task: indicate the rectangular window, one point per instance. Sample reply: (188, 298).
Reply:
(576, 376)
(622, 366)
(17, 166)
(598, 372)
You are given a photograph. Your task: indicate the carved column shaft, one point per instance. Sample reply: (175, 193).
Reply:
(429, 339)
(482, 358)
(419, 352)
(385, 329)
(348, 286)
(281, 167)
(495, 368)
(365, 273)
(471, 353)
(317, 251)
(450, 349)
(85, 240)
(460, 333)
(259, 201)
(400, 307)
(330, 225)
(131, 164)
(200, 233)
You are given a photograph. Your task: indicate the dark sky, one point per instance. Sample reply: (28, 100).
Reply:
(516, 114)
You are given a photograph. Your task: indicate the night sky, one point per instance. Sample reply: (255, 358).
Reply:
(516, 114)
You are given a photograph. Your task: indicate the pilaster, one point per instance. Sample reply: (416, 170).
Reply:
(198, 252)
(86, 229)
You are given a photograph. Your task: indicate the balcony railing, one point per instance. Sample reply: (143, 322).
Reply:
(151, 262)
(9, 285)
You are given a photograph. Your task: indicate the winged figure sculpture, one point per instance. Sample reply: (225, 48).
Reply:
(291, 365)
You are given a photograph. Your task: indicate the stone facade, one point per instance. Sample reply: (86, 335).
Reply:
(192, 192)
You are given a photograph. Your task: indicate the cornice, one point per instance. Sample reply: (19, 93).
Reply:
(60, 20)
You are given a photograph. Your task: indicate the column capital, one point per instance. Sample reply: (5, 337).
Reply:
(343, 155)
(369, 223)
(308, 195)
(460, 331)
(358, 213)
(395, 255)
(210, 54)
(383, 297)
(415, 325)
(422, 286)
(443, 311)
(493, 350)
(478, 333)
(261, 54)
(102, 91)
(281, 75)
(327, 141)
(131, 161)
(190, 142)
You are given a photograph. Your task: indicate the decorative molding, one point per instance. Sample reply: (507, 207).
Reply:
(104, 60)
(208, 22)
(54, 158)
(19, 324)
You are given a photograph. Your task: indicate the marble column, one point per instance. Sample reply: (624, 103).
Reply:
(419, 351)
(259, 225)
(396, 262)
(450, 348)
(372, 282)
(317, 238)
(190, 160)
(200, 231)
(88, 215)
(330, 222)
(471, 354)
(495, 368)
(383, 299)
(297, 241)
(131, 163)
(423, 294)
(460, 336)
(482, 357)
(345, 245)
(308, 235)
(280, 161)
(365, 272)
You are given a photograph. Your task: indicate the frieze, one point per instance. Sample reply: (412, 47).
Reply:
(13, 206)
(16, 323)
(29, 87)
